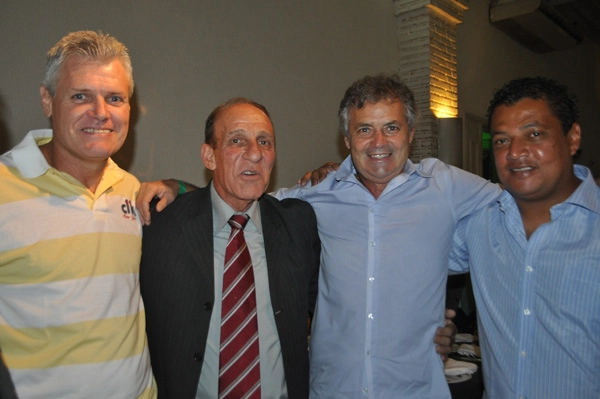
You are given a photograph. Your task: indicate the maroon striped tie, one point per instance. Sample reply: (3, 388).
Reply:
(239, 368)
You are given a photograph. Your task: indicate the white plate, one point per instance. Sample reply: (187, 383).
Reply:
(453, 379)
(456, 367)
(462, 337)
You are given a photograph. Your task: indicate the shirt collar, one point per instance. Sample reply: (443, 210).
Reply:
(30, 161)
(222, 212)
(27, 155)
(347, 173)
(586, 195)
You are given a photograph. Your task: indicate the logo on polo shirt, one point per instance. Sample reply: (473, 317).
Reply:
(128, 210)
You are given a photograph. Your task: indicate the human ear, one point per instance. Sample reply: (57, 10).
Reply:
(347, 141)
(207, 153)
(411, 136)
(46, 101)
(574, 138)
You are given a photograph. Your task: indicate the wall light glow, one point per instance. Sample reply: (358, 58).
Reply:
(444, 111)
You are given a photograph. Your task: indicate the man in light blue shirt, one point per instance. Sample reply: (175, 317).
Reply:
(534, 253)
(386, 227)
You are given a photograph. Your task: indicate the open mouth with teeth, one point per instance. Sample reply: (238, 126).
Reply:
(380, 156)
(97, 131)
(522, 169)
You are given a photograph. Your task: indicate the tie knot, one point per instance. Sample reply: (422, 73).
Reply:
(238, 221)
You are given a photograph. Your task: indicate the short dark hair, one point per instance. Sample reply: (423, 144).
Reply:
(209, 129)
(562, 104)
(374, 89)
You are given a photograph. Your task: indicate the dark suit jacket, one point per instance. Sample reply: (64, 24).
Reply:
(177, 284)
(7, 389)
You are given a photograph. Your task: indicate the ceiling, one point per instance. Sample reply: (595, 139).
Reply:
(581, 17)
(548, 25)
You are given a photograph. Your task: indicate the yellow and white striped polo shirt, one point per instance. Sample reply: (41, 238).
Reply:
(71, 317)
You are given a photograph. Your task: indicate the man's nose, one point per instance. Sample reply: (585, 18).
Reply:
(99, 108)
(254, 151)
(379, 138)
(517, 149)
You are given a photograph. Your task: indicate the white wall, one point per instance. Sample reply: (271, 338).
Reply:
(297, 58)
(488, 58)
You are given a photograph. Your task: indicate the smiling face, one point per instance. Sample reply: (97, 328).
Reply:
(243, 155)
(90, 113)
(379, 141)
(533, 155)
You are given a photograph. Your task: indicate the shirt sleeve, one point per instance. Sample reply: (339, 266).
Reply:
(470, 192)
(459, 252)
(283, 193)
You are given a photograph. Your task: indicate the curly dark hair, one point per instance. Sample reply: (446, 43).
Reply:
(562, 104)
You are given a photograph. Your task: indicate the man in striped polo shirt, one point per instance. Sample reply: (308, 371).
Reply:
(72, 321)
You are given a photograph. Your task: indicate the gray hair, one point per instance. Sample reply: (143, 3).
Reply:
(374, 89)
(89, 45)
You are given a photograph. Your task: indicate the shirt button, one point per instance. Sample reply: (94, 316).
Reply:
(523, 353)
(197, 357)
(371, 279)
(521, 397)
(372, 210)
(370, 316)
(529, 268)
(526, 312)
(208, 306)
(365, 390)
(372, 243)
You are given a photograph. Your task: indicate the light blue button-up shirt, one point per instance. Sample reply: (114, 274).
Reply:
(538, 300)
(383, 275)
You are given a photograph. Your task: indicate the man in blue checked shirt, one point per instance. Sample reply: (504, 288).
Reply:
(534, 253)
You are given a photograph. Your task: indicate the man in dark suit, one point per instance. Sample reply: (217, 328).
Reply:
(184, 251)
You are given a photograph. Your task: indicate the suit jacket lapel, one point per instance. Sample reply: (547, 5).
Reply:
(198, 234)
(274, 247)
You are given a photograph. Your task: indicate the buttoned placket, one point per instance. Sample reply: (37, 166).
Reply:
(527, 316)
(370, 318)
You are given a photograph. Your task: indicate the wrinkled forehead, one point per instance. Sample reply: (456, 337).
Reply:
(391, 110)
(78, 63)
(524, 111)
(243, 117)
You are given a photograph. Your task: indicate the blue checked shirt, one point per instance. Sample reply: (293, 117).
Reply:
(382, 284)
(538, 301)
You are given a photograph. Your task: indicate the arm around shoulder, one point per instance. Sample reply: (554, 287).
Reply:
(165, 190)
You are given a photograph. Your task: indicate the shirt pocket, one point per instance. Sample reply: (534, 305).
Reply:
(579, 306)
